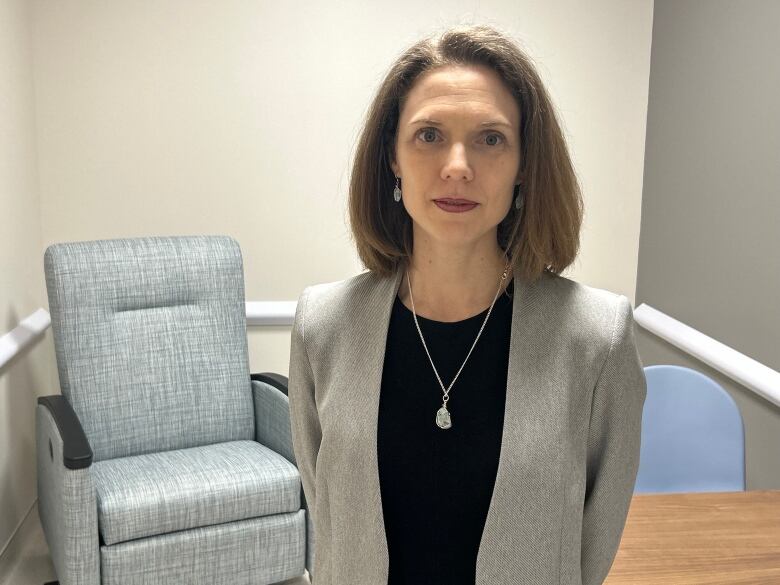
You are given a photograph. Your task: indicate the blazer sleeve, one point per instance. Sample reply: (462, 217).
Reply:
(304, 419)
(614, 437)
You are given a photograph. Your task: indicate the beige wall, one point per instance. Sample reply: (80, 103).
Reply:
(22, 288)
(240, 118)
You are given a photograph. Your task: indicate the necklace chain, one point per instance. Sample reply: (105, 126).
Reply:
(443, 417)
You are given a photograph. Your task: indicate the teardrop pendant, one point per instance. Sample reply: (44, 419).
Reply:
(443, 418)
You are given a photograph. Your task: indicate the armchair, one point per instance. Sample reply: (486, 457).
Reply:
(163, 461)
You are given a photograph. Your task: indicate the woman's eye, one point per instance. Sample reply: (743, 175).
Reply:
(494, 134)
(427, 132)
(431, 133)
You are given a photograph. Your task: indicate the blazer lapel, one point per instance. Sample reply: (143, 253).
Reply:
(366, 334)
(522, 529)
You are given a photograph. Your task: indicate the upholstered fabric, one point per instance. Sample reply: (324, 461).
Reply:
(66, 507)
(272, 419)
(272, 429)
(157, 493)
(151, 347)
(571, 435)
(248, 552)
(150, 339)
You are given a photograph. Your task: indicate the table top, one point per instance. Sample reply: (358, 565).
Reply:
(708, 538)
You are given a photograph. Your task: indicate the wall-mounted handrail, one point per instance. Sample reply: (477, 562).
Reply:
(257, 313)
(23, 335)
(270, 312)
(746, 371)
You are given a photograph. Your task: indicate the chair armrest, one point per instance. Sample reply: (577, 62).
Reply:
(76, 452)
(278, 381)
(272, 413)
(67, 499)
(272, 429)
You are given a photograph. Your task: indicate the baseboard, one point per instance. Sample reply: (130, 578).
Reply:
(11, 554)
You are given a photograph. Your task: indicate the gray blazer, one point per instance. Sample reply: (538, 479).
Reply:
(570, 444)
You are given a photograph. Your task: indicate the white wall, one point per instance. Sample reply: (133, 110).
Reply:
(240, 118)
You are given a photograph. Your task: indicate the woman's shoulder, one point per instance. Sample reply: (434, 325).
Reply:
(576, 294)
(586, 311)
(340, 300)
(344, 290)
(552, 301)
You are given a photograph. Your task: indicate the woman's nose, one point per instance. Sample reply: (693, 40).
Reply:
(457, 163)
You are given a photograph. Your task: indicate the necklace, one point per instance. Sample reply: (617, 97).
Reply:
(443, 417)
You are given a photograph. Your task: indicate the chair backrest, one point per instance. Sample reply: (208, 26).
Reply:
(150, 339)
(693, 438)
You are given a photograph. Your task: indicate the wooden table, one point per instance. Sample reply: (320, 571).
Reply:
(714, 538)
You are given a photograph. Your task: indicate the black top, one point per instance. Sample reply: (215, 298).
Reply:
(436, 484)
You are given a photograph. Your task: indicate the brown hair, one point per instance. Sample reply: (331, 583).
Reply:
(544, 235)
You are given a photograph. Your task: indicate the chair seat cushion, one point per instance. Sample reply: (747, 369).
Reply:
(158, 493)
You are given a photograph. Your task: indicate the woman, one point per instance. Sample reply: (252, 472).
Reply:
(461, 413)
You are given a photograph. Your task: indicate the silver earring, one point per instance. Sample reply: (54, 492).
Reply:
(519, 199)
(397, 190)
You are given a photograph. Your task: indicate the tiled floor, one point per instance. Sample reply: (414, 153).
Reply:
(31, 564)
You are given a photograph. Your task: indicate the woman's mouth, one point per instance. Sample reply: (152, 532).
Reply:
(455, 207)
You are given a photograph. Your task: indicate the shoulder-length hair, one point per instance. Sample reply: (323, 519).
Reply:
(544, 234)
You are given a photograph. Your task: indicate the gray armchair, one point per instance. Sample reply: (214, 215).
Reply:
(163, 461)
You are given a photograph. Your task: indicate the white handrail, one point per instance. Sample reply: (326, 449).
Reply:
(270, 312)
(746, 371)
(257, 313)
(23, 335)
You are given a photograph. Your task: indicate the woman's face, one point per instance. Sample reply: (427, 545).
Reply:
(444, 148)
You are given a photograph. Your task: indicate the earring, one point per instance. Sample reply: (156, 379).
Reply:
(518, 198)
(397, 190)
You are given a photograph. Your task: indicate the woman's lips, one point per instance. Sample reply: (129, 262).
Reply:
(455, 208)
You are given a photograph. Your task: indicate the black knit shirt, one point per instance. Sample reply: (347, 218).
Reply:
(436, 484)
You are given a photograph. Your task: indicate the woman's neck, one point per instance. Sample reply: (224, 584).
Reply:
(452, 291)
